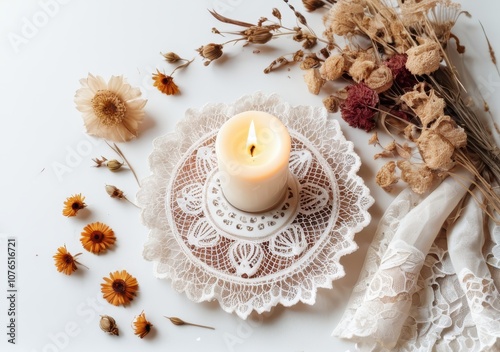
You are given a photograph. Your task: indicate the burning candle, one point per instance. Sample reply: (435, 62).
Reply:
(252, 150)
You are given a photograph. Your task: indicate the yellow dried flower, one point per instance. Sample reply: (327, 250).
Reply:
(333, 67)
(73, 204)
(65, 262)
(164, 83)
(119, 288)
(313, 80)
(97, 237)
(210, 52)
(142, 326)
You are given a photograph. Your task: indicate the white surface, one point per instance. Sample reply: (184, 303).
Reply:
(42, 132)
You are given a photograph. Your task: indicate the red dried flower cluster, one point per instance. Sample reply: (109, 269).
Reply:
(400, 74)
(357, 110)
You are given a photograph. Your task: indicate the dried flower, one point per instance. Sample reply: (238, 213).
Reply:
(258, 35)
(108, 324)
(210, 52)
(114, 165)
(361, 69)
(110, 110)
(65, 262)
(333, 67)
(436, 151)
(313, 80)
(97, 237)
(114, 192)
(449, 130)
(380, 79)
(312, 5)
(179, 321)
(100, 162)
(171, 57)
(119, 288)
(425, 58)
(310, 61)
(142, 326)
(400, 74)
(419, 177)
(357, 110)
(342, 24)
(331, 103)
(164, 83)
(73, 204)
(386, 176)
(427, 106)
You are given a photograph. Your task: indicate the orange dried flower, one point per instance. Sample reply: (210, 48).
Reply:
(142, 326)
(119, 288)
(73, 204)
(165, 84)
(65, 262)
(97, 237)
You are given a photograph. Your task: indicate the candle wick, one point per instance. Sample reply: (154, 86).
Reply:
(252, 148)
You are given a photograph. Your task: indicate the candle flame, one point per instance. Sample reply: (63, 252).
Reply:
(252, 138)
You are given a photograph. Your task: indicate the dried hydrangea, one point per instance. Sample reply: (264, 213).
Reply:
(358, 108)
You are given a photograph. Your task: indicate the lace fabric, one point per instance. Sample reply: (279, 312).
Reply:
(452, 306)
(252, 262)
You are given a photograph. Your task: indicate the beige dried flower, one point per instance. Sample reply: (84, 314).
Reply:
(114, 192)
(171, 57)
(380, 79)
(424, 58)
(312, 5)
(313, 80)
(110, 110)
(361, 69)
(386, 176)
(310, 61)
(331, 103)
(374, 139)
(427, 106)
(258, 35)
(448, 129)
(436, 151)
(108, 324)
(333, 68)
(210, 52)
(419, 177)
(344, 15)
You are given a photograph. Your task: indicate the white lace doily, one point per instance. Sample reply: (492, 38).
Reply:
(247, 261)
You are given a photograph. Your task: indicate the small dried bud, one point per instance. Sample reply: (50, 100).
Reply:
(210, 52)
(258, 35)
(179, 321)
(277, 13)
(331, 104)
(114, 165)
(312, 5)
(114, 192)
(171, 57)
(310, 62)
(108, 324)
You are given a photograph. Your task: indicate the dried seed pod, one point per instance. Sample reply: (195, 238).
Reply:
(114, 192)
(179, 321)
(277, 13)
(171, 57)
(108, 324)
(114, 165)
(210, 52)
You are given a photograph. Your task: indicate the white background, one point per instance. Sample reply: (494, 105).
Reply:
(46, 47)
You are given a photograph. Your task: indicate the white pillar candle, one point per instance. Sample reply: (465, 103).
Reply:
(252, 150)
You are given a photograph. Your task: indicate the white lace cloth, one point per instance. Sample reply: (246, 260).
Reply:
(442, 298)
(252, 262)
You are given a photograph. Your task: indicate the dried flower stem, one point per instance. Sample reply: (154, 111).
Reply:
(179, 321)
(119, 152)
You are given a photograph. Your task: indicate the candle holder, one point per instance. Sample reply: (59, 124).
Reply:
(253, 261)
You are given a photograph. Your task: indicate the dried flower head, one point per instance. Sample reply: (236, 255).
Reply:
(108, 324)
(114, 192)
(258, 35)
(310, 61)
(65, 262)
(110, 110)
(331, 103)
(142, 326)
(333, 67)
(73, 204)
(436, 151)
(380, 79)
(119, 288)
(357, 110)
(171, 57)
(97, 237)
(426, 105)
(114, 165)
(424, 58)
(313, 80)
(210, 52)
(339, 22)
(386, 176)
(419, 177)
(179, 321)
(164, 83)
(312, 5)
(361, 69)
(449, 130)
(400, 74)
